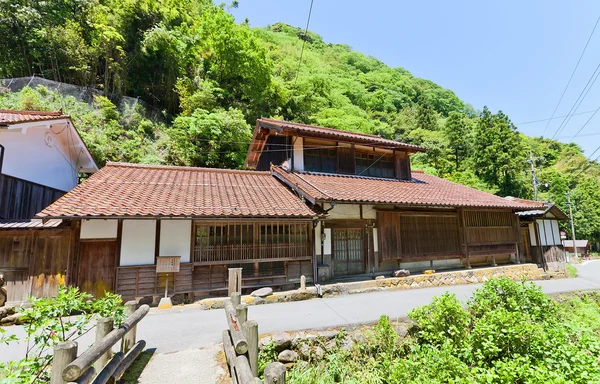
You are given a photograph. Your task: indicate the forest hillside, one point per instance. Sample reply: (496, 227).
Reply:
(211, 78)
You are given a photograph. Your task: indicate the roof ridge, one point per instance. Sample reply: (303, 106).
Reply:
(28, 112)
(183, 168)
(327, 128)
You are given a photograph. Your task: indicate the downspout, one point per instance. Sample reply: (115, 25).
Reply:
(314, 253)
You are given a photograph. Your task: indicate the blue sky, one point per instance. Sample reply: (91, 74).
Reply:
(516, 56)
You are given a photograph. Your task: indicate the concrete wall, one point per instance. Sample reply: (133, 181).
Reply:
(298, 154)
(138, 242)
(176, 238)
(41, 154)
(98, 229)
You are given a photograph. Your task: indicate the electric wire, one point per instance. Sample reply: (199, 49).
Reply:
(304, 41)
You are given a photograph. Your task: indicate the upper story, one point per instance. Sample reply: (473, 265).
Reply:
(306, 148)
(41, 157)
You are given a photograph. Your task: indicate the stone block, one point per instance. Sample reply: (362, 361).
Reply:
(262, 292)
(287, 356)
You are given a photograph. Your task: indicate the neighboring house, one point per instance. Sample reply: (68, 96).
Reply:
(322, 203)
(41, 157)
(539, 230)
(583, 247)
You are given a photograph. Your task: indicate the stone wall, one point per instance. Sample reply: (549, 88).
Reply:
(516, 272)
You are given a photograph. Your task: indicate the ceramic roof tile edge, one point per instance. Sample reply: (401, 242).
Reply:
(340, 132)
(184, 168)
(43, 116)
(546, 205)
(288, 178)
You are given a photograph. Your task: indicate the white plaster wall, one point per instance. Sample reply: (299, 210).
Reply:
(532, 237)
(138, 241)
(299, 154)
(345, 211)
(327, 242)
(369, 213)
(98, 229)
(556, 232)
(548, 231)
(318, 238)
(176, 239)
(375, 241)
(542, 232)
(28, 156)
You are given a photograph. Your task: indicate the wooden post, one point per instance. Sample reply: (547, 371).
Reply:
(251, 331)
(235, 281)
(275, 373)
(465, 237)
(238, 338)
(129, 339)
(75, 369)
(105, 374)
(241, 311)
(302, 283)
(103, 327)
(236, 299)
(64, 354)
(243, 371)
(128, 359)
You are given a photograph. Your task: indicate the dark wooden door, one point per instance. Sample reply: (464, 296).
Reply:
(525, 246)
(348, 251)
(97, 267)
(50, 262)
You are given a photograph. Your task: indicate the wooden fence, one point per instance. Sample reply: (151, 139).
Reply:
(240, 343)
(97, 364)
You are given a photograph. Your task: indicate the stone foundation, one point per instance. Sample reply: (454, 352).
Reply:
(516, 272)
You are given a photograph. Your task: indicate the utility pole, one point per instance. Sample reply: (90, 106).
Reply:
(534, 179)
(572, 223)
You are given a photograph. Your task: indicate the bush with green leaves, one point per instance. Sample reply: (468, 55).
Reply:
(51, 321)
(508, 332)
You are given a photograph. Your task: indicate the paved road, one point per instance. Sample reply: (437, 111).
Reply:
(189, 327)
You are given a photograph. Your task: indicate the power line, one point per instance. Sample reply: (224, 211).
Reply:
(586, 123)
(572, 74)
(579, 100)
(304, 41)
(553, 118)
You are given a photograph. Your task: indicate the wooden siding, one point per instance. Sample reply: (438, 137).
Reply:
(22, 200)
(277, 150)
(429, 235)
(142, 280)
(34, 262)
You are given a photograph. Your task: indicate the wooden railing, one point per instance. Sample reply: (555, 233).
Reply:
(218, 254)
(240, 343)
(96, 363)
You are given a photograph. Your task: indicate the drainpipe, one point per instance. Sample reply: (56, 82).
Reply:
(314, 252)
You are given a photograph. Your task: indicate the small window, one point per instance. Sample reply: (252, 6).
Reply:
(374, 165)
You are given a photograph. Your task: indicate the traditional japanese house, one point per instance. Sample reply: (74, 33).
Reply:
(126, 216)
(539, 230)
(41, 159)
(382, 215)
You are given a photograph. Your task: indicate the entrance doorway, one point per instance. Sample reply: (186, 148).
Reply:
(96, 268)
(348, 251)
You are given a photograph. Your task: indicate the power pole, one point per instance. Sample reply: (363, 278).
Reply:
(534, 179)
(572, 223)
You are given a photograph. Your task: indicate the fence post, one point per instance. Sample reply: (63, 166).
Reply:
(251, 331)
(64, 354)
(302, 283)
(275, 373)
(241, 312)
(235, 281)
(104, 326)
(129, 338)
(236, 299)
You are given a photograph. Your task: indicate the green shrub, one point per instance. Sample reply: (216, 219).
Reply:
(443, 321)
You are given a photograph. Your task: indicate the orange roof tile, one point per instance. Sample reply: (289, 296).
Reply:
(125, 190)
(8, 116)
(422, 190)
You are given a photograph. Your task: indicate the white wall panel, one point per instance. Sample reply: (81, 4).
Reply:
(138, 242)
(176, 238)
(98, 229)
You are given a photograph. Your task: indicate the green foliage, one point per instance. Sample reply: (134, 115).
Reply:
(510, 332)
(51, 321)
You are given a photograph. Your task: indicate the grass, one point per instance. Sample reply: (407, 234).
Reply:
(133, 373)
(571, 270)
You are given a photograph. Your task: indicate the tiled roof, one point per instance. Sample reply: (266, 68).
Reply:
(422, 190)
(546, 207)
(338, 134)
(8, 116)
(126, 190)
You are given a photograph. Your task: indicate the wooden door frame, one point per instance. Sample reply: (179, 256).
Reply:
(363, 233)
(77, 280)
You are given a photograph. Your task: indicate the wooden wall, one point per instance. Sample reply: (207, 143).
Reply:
(22, 200)
(34, 262)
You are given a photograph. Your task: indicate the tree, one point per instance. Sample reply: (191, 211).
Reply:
(458, 133)
(497, 152)
(426, 117)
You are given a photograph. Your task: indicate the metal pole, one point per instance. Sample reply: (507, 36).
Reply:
(167, 287)
(572, 223)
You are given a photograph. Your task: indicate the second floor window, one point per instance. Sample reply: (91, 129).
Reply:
(320, 159)
(372, 164)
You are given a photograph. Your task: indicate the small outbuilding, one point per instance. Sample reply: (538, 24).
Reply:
(583, 247)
